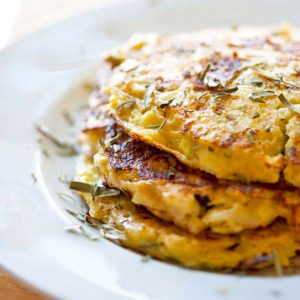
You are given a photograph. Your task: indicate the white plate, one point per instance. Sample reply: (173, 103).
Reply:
(33, 88)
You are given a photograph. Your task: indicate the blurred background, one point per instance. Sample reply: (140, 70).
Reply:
(17, 19)
(21, 17)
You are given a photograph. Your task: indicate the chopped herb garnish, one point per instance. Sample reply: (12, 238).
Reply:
(33, 178)
(278, 79)
(204, 72)
(257, 83)
(255, 115)
(68, 117)
(65, 148)
(45, 153)
(126, 104)
(66, 197)
(114, 139)
(164, 105)
(79, 229)
(158, 127)
(225, 92)
(288, 104)
(94, 190)
(146, 258)
(105, 230)
(277, 262)
(148, 95)
(258, 96)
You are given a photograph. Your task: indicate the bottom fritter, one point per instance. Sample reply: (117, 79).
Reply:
(251, 249)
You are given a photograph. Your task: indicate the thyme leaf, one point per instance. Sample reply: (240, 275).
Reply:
(225, 92)
(79, 229)
(114, 139)
(164, 105)
(158, 127)
(126, 104)
(277, 262)
(33, 178)
(93, 189)
(288, 104)
(105, 230)
(68, 117)
(277, 79)
(148, 95)
(204, 72)
(258, 96)
(66, 149)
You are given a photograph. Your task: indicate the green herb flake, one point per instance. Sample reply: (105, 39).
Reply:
(277, 262)
(66, 149)
(79, 229)
(66, 197)
(146, 258)
(257, 83)
(114, 139)
(256, 115)
(259, 96)
(34, 178)
(288, 104)
(204, 72)
(68, 117)
(127, 104)
(94, 190)
(164, 105)
(225, 92)
(278, 79)
(158, 127)
(148, 95)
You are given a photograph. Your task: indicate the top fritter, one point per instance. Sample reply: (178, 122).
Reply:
(223, 101)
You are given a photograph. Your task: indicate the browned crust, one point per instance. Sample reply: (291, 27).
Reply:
(128, 153)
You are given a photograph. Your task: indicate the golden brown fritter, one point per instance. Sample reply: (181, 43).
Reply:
(211, 99)
(252, 249)
(191, 199)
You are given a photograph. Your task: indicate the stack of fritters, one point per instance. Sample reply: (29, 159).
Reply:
(201, 134)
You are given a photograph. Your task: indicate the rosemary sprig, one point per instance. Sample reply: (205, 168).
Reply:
(79, 229)
(105, 230)
(66, 197)
(68, 117)
(158, 127)
(148, 95)
(277, 262)
(288, 104)
(114, 139)
(33, 178)
(126, 104)
(204, 72)
(278, 79)
(164, 105)
(93, 189)
(225, 92)
(259, 96)
(66, 149)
